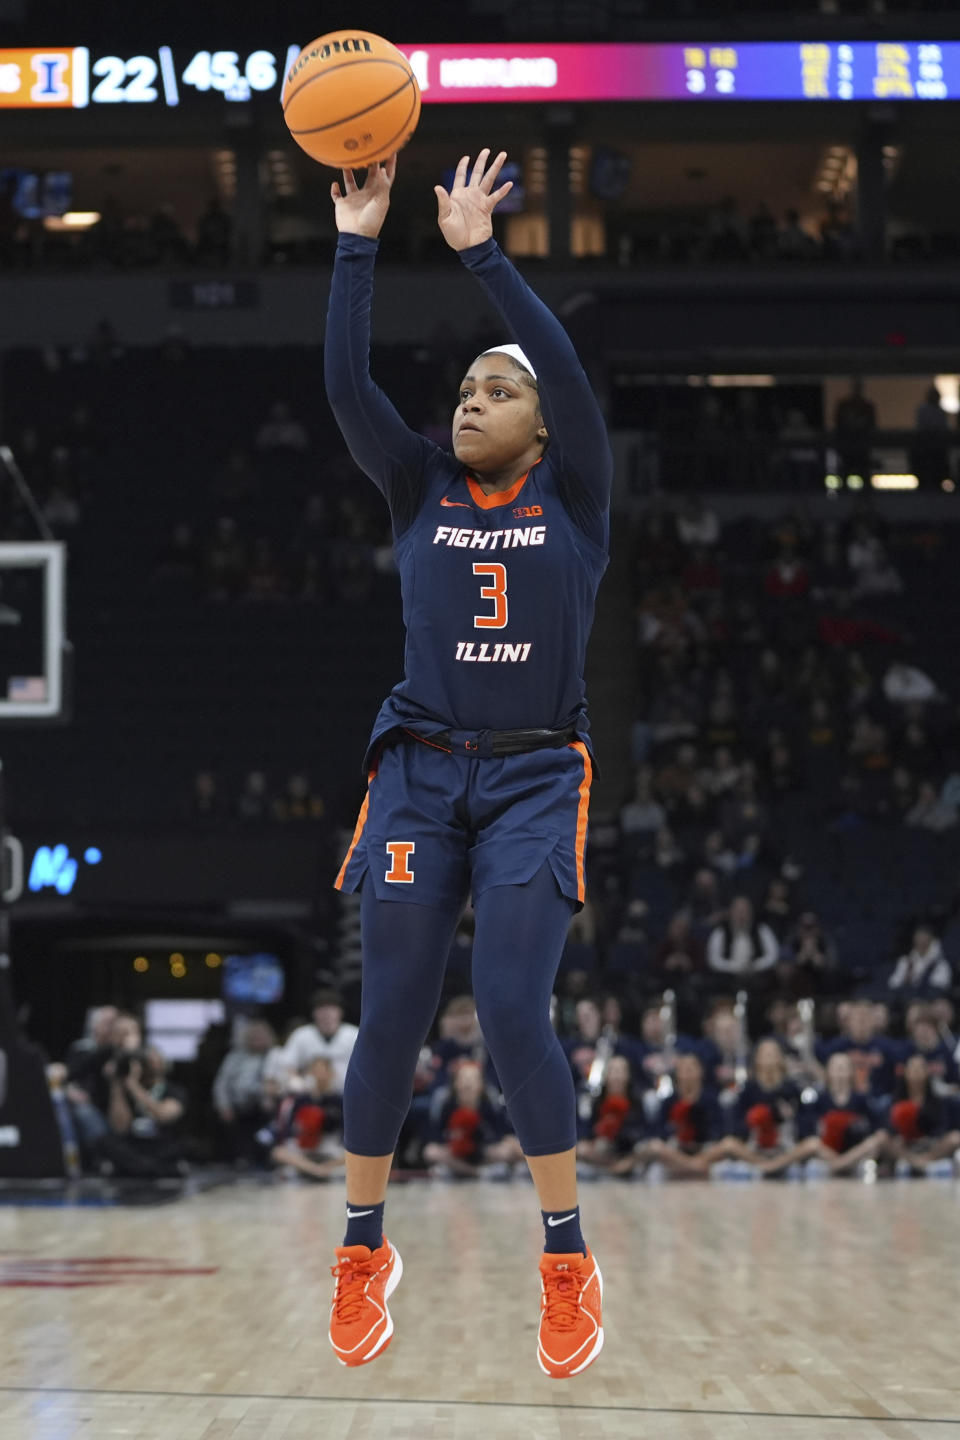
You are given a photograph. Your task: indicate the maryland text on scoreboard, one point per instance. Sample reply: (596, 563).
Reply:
(76, 77)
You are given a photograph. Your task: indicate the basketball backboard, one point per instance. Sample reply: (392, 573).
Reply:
(32, 631)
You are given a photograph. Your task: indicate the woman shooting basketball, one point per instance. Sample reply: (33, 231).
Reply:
(479, 770)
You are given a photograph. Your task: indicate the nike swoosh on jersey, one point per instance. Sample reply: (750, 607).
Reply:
(464, 503)
(562, 1221)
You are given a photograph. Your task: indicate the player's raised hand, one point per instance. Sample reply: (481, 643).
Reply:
(465, 212)
(361, 210)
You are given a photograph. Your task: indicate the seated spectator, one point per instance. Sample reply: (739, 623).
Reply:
(615, 1123)
(923, 1035)
(697, 524)
(298, 801)
(822, 730)
(741, 813)
(327, 1034)
(254, 802)
(681, 952)
(794, 1033)
(144, 1114)
(917, 749)
(206, 803)
(724, 1048)
(281, 432)
(722, 774)
(924, 970)
(654, 1061)
(905, 684)
(643, 815)
(467, 1129)
(923, 1126)
(808, 958)
(874, 1056)
(247, 1086)
(902, 794)
(702, 575)
(787, 578)
(837, 1126)
(459, 1037)
(742, 946)
(584, 1042)
(214, 235)
(667, 853)
(781, 767)
(306, 1133)
(704, 900)
(764, 1114)
(114, 1036)
(777, 908)
(686, 1127)
(793, 241)
(930, 811)
(873, 571)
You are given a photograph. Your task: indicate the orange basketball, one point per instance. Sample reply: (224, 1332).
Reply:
(351, 99)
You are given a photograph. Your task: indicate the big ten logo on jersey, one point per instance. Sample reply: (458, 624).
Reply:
(400, 871)
(527, 512)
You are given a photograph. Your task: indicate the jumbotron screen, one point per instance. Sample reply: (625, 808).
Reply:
(77, 77)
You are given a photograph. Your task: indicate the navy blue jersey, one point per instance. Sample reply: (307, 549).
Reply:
(875, 1064)
(840, 1123)
(689, 1122)
(760, 1114)
(498, 590)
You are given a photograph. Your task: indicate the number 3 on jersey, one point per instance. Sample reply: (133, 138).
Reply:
(497, 592)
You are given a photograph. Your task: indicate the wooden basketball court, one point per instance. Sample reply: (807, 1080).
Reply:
(824, 1311)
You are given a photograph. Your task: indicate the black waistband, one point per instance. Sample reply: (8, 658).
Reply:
(485, 744)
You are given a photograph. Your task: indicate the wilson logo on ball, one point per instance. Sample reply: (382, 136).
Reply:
(334, 47)
(344, 79)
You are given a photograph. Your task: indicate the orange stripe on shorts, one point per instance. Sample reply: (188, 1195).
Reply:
(582, 809)
(358, 831)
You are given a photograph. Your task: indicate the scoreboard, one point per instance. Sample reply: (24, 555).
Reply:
(76, 77)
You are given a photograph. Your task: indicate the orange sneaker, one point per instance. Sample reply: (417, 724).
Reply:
(571, 1325)
(360, 1323)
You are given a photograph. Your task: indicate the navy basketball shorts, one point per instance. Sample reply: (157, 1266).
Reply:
(436, 826)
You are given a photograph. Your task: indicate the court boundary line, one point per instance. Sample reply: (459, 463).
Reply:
(477, 1404)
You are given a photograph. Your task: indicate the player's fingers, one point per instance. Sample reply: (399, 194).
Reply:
(498, 195)
(335, 191)
(390, 169)
(493, 172)
(349, 182)
(460, 174)
(443, 202)
(479, 166)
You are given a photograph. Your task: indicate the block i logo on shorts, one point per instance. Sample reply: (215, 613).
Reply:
(400, 872)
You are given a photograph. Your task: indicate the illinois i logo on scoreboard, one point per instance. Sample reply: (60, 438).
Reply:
(400, 872)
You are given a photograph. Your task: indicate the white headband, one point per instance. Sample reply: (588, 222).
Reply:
(515, 353)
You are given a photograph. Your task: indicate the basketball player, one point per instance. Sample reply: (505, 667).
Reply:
(478, 762)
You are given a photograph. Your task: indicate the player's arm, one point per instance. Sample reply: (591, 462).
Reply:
(569, 406)
(380, 441)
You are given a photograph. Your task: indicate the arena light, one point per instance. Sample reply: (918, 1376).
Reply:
(72, 220)
(948, 485)
(833, 483)
(949, 388)
(894, 482)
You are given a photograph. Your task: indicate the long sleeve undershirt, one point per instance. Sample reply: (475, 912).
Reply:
(395, 457)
